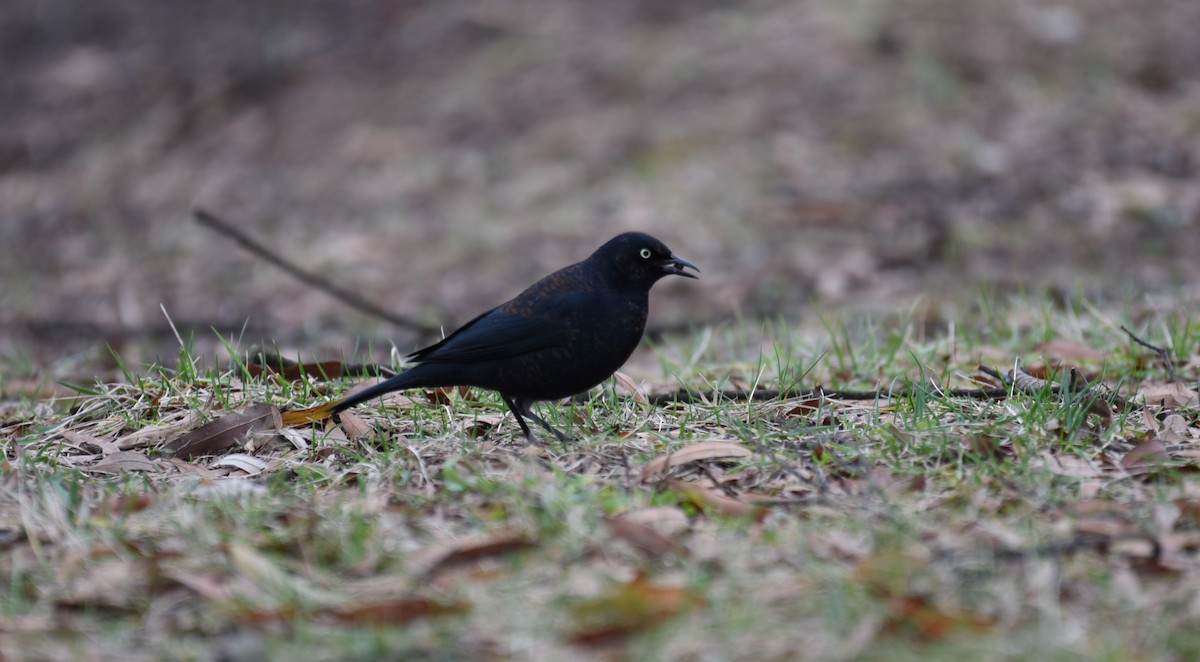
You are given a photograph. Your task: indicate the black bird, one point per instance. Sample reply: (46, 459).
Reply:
(563, 335)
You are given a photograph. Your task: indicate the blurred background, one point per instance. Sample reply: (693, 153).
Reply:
(440, 156)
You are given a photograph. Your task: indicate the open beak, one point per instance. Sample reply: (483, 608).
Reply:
(674, 265)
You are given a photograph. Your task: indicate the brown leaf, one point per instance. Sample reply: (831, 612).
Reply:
(89, 443)
(1169, 395)
(714, 501)
(480, 425)
(987, 446)
(155, 434)
(1029, 379)
(1174, 430)
(324, 410)
(642, 536)
(354, 426)
(124, 461)
(704, 450)
(627, 385)
(627, 609)
(930, 622)
(1068, 350)
(189, 469)
(123, 504)
(1066, 464)
(667, 520)
(804, 407)
(474, 549)
(396, 611)
(1148, 453)
(225, 432)
(441, 394)
(291, 371)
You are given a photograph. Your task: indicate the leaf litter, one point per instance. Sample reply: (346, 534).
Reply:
(452, 510)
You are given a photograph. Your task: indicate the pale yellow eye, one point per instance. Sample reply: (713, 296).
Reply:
(645, 253)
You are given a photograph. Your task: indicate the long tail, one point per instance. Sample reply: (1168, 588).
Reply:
(405, 380)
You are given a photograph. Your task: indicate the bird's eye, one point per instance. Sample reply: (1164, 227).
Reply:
(645, 253)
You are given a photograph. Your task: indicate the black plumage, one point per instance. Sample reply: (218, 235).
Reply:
(563, 335)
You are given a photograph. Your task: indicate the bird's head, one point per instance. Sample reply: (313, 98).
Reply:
(639, 258)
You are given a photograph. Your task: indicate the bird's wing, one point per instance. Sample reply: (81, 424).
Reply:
(494, 335)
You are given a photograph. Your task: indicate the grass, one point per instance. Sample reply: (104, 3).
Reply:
(922, 527)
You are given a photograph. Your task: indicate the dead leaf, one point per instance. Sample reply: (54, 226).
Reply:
(930, 622)
(714, 501)
(481, 424)
(124, 461)
(474, 549)
(189, 469)
(627, 609)
(396, 611)
(642, 537)
(225, 432)
(1169, 395)
(1146, 454)
(627, 385)
(988, 447)
(154, 434)
(441, 395)
(1068, 350)
(325, 410)
(89, 443)
(294, 437)
(667, 520)
(354, 426)
(241, 461)
(704, 450)
(1071, 465)
(1174, 430)
(804, 407)
(291, 371)
(123, 504)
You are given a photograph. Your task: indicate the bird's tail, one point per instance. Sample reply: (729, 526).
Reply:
(323, 411)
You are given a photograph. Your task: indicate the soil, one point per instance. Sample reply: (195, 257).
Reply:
(439, 156)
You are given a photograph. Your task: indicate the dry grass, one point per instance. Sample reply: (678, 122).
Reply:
(922, 526)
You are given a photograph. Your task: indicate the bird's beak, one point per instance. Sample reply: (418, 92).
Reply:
(674, 266)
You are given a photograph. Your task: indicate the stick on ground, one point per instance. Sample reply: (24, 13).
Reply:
(1166, 356)
(352, 299)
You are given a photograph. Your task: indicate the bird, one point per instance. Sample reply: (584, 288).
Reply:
(563, 335)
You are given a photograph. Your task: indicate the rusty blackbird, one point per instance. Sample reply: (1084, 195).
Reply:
(563, 335)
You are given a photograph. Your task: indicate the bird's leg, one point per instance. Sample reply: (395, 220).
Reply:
(520, 409)
(520, 418)
(537, 419)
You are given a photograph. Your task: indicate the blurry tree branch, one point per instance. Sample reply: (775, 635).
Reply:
(348, 297)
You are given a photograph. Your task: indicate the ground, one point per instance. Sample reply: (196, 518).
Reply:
(879, 195)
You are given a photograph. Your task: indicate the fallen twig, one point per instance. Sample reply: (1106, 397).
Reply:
(1166, 356)
(352, 299)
